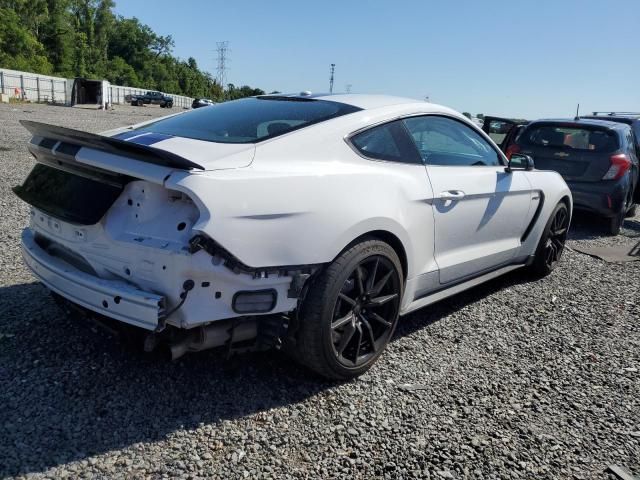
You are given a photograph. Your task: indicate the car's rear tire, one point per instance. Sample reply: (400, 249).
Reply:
(351, 311)
(631, 205)
(614, 224)
(552, 241)
(163, 105)
(140, 103)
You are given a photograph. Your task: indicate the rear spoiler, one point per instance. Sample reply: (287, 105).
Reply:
(144, 153)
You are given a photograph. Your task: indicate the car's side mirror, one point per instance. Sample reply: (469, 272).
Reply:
(519, 161)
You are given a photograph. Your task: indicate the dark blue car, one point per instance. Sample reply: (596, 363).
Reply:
(598, 160)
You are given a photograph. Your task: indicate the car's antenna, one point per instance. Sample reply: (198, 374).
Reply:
(577, 113)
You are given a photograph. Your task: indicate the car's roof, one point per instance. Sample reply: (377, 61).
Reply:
(582, 121)
(363, 101)
(628, 119)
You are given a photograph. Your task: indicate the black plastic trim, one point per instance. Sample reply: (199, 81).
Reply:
(536, 215)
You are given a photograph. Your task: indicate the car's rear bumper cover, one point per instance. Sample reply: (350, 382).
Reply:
(112, 298)
(603, 198)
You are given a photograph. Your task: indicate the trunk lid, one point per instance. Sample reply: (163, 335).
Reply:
(80, 175)
(208, 155)
(143, 146)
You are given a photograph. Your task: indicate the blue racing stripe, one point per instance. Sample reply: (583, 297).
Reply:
(127, 135)
(143, 138)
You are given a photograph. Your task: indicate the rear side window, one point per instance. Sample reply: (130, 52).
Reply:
(249, 120)
(574, 138)
(388, 142)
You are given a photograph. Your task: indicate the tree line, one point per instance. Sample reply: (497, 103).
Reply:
(85, 38)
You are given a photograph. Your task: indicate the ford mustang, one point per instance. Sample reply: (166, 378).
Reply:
(307, 222)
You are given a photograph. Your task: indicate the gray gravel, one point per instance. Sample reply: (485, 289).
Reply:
(514, 379)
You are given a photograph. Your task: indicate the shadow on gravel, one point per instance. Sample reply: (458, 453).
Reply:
(585, 226)
(68, 393)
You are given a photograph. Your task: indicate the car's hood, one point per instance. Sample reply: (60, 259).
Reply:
(210, 155)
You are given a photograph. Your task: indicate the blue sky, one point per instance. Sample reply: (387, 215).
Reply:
(530, 59)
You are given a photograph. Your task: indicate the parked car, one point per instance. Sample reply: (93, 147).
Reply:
(597, 159)
(154, 98)
(629, 118)
(202, 102)
(314, 221)
(503, 131)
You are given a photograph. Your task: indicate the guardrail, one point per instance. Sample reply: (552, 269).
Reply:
(45, 88)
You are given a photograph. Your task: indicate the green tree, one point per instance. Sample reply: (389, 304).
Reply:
(79, 55)
(58, 37)
(120, 72)
(85, 38)
(19, 48)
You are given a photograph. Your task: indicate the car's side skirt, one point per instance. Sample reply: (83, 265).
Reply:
(460, 287)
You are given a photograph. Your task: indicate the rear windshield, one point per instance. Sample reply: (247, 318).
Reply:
(573, 138)
(249, 120)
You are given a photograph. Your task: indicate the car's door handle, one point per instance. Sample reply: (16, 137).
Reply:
(452, 195)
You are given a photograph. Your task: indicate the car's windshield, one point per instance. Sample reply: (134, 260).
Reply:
(575, 138)
(250, 119)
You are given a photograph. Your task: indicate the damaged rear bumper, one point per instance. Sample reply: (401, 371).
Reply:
(112, 298)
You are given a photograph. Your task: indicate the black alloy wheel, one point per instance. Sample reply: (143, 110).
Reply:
(365, 311)
(552, 242)
(557, 238)
(350, 311)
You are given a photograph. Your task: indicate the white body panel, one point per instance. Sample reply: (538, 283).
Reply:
(298, 200)
(483, 226)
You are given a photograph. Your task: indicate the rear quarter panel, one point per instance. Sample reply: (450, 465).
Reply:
(306, 197)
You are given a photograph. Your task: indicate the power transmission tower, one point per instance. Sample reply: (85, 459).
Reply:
(348, 87)
(223, 49)
(333, 69)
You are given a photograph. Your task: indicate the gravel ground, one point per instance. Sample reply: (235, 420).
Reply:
(514, 379)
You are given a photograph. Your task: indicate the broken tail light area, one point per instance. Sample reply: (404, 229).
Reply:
(259, 301)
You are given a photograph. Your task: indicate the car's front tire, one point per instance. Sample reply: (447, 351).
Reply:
(551, 245)
(351, 311)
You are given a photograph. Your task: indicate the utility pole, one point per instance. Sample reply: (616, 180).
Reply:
(333, 69)
(223, 49)
(348, 87)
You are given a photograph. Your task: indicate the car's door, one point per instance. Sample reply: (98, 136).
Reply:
(480, 211)
(499, 130)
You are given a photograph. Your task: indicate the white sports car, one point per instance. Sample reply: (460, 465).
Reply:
(307, 221)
